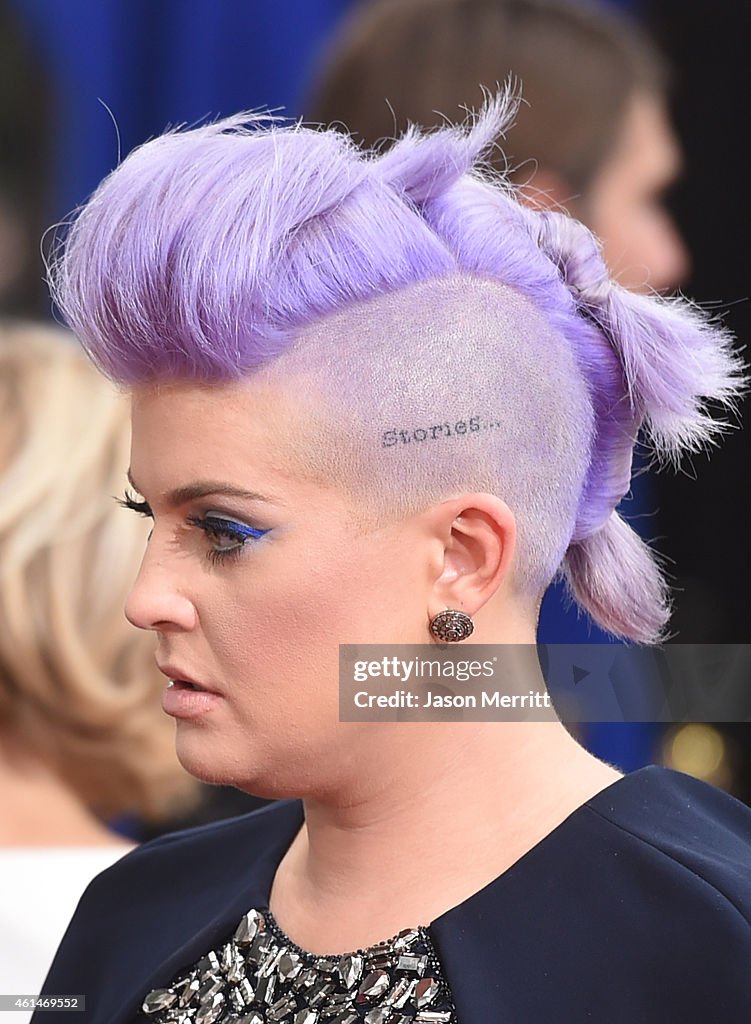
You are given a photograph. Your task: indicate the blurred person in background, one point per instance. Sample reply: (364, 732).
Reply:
(593, 136)
(26, 173)
(82, 737)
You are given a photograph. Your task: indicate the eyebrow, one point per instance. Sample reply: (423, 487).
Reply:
(204, 488)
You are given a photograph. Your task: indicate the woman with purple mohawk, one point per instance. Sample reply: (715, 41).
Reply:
(378, 401)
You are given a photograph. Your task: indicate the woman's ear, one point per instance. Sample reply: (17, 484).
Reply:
(478, 535)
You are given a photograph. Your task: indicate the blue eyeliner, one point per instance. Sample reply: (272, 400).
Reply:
(218, 526)
(231, 526)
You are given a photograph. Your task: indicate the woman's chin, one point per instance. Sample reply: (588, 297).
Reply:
(200, 758)
(206, 764)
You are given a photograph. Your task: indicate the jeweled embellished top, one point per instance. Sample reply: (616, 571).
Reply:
(260, 975)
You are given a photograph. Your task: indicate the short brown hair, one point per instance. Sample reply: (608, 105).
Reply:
(399, 61)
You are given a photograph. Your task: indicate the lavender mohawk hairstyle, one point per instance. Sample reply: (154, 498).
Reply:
(482, 343)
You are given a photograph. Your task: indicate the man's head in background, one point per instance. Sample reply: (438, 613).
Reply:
(594, 133)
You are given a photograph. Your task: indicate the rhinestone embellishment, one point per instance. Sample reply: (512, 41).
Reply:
(451, 626)
(260, 977)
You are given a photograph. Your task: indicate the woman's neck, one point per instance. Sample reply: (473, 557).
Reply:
(427, 825)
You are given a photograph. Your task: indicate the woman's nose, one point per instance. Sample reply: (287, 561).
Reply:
(155, 601)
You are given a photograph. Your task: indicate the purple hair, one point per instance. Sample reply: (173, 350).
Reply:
(207, 252)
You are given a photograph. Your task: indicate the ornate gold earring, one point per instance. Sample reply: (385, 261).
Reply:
(451, 626)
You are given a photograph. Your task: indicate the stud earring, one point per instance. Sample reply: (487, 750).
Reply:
(451, 626)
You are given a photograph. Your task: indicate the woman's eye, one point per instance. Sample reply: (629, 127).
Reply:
(227, 536)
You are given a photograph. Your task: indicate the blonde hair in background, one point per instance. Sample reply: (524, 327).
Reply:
(78, 684)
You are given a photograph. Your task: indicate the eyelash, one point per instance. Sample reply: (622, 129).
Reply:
(130, 501)
(212, 526)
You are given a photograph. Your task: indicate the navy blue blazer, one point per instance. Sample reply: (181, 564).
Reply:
(635, 910)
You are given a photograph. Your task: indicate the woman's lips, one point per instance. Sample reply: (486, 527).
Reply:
(184, 697)
(181, 700)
